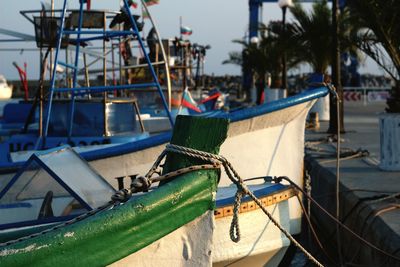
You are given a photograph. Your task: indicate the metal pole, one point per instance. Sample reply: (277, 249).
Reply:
(284, 68)
(336, 117)
(336, 80)
(51, 49)
(166, 59)
(180, 27)
(146, 56)
(105, 77)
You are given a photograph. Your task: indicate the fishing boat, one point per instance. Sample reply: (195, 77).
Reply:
(266, 140)
(263, 141)
(144, 94)
(83, 112)
(5, 89)
(85, 228)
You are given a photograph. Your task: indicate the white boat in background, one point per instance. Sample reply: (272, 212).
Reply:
(5, 89)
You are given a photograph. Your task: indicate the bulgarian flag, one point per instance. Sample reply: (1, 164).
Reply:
(188, 101)
(186, 30)
(151, 2)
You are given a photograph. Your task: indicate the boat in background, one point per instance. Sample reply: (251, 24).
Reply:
(114, 228)
(82, 113)
(265, 140)
(5, 89)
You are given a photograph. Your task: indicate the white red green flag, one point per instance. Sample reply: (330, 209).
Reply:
(186, 30)
(151, 2)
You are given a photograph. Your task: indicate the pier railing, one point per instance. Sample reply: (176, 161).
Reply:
(366, 94)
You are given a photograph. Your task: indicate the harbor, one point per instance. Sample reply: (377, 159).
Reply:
(368, 196)
(120, 147)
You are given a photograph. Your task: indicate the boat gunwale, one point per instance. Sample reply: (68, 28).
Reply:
(159, 139)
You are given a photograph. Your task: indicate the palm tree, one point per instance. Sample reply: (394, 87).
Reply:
(380, 39)
(264, 57)
(314, 37)
(314, 34)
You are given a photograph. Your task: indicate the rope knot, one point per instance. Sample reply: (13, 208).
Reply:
(278, 179)
(141, 184)
(121, 195)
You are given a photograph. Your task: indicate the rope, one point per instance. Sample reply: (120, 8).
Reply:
(234, 230)
(121, 196)
(357, 154)
(236, 179)
(242, 189)
(395, 195)
(337, 221)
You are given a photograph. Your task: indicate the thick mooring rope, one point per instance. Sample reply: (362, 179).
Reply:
(243, 189)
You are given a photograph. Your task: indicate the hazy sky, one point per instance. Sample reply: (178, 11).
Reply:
(214, 22)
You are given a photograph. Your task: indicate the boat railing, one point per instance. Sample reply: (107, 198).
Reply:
(78, 27)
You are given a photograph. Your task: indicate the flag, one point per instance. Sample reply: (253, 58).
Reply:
(186, 30)
(188, 101)
(210, 103)
(151, 2)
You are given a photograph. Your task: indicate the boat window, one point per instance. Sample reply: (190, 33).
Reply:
(117, 124)
(52, 186)
(36, 196)
(88, 118)
(76, 174)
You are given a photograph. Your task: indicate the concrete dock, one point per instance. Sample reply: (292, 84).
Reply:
(369, 197)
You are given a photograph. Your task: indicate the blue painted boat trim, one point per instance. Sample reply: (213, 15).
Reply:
(233, 116)
(242, 114)
(269, 189)
(127, 147)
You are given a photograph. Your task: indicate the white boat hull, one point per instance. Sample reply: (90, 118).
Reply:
(267, 145)
(190, 245)
(271, 144)
(260, 244)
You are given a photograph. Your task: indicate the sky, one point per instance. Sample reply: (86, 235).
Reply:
(214, 22)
